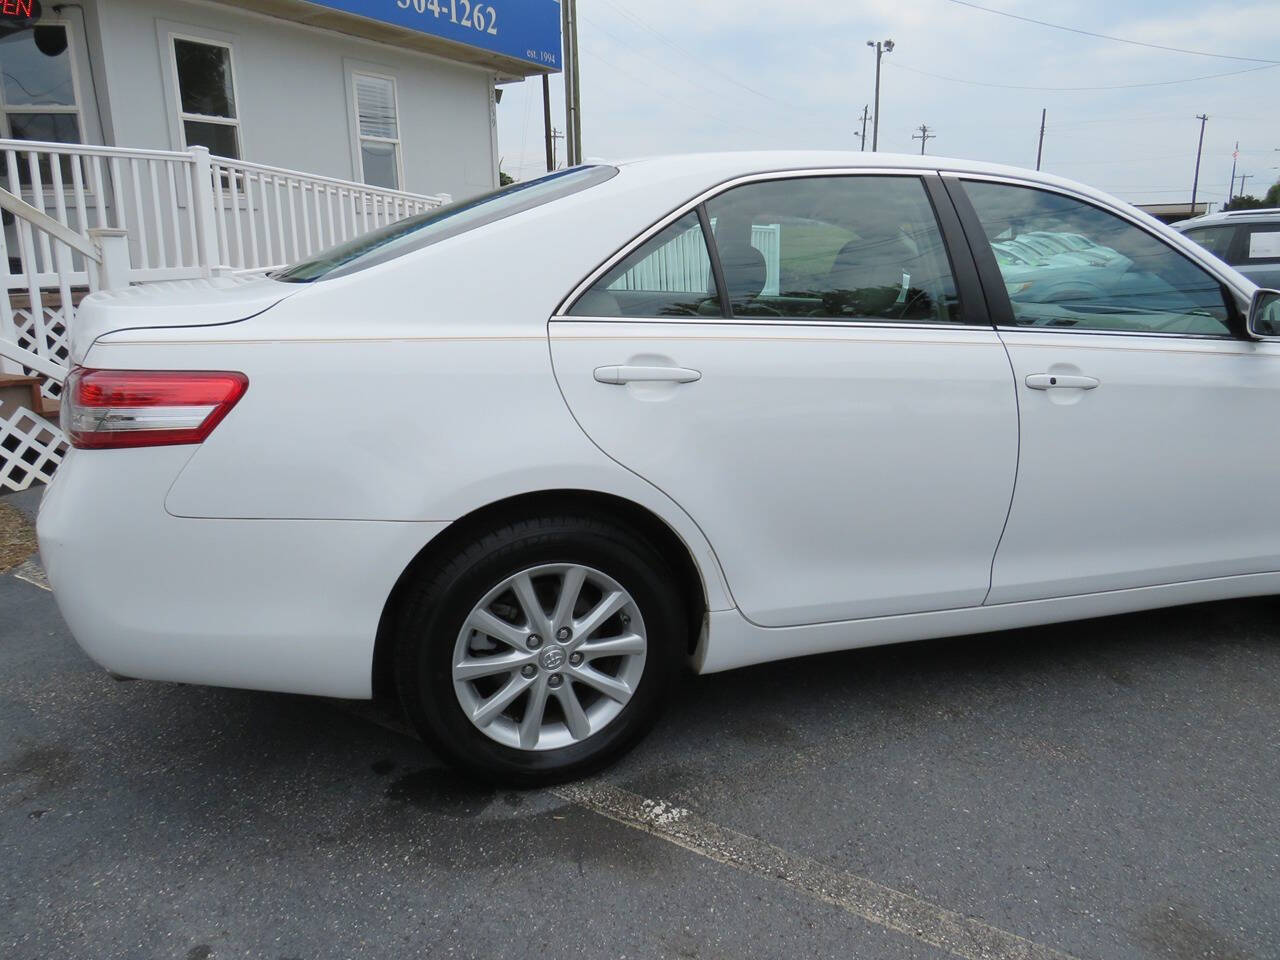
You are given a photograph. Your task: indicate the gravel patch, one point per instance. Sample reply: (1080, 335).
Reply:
(17, 538)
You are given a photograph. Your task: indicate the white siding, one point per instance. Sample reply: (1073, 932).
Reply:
(295, 96)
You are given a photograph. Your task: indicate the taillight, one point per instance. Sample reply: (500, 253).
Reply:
(106, 409)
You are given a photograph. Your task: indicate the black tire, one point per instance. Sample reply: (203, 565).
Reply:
(435, 608)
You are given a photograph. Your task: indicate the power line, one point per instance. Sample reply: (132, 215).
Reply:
(666, 69)
(1115, 86)
(1105, 36)
(696, 57)
(685, 103)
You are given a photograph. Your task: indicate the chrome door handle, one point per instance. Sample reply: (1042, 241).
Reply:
(1061, 381)
(625, 374)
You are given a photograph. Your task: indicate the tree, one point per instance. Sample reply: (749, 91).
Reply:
(1245, 201)
(505, 179)
(1272, 199)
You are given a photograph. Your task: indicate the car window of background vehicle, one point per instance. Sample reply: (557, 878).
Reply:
(839, 248)
(1217, 240)
(1126, 280)
(415, 233)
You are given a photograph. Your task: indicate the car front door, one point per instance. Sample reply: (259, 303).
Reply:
(1144, 415)
(819, 389)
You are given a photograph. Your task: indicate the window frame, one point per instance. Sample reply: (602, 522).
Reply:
(77, 110)
(969, 291)
(184, 116)
(353, 74)
(1001, 304)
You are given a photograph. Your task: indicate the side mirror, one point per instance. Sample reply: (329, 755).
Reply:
(1264, 315)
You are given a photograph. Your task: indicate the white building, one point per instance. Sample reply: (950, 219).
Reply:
(394, 93)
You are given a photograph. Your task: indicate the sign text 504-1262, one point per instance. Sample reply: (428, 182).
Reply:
(480, 16)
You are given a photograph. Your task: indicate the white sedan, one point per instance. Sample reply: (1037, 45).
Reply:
(517, 460)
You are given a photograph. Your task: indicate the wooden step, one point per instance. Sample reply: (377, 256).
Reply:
(51, 299)
(17, 390)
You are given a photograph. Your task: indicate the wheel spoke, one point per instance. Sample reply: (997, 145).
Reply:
(486, 623)
(611, 688)
(574, 578)
(534, 615)
(473, 668)
(490, 709)
(574, 716)
(602, 611)
(531, 725)
(624, 646)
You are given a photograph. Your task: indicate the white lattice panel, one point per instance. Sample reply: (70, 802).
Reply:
(30, 449)
(48, 340)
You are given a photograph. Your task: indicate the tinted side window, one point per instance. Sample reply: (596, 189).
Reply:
(1125, 279)
(838, 248)
(670, 276)
(1217, 240)
(1263, 243)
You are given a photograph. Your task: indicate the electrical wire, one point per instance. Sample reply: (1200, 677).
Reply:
(694, 57)
(898, 65)
(1105, 36)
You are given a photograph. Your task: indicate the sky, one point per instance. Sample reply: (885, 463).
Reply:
(680, 76)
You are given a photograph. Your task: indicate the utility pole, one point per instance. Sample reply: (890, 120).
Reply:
(577, 86)
(572, 113)
(882, 47)
(1040, 149)
(546, 122)
(866, 115)
(1243, 178)
(1231, 190)
(1195, 184)
(924, 136)
(555, 135)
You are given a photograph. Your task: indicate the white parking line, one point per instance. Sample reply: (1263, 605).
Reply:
(33, 573)
(945, 929)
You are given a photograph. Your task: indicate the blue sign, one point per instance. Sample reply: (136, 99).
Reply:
(527, 30)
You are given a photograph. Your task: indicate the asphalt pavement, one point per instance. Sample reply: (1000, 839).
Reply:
(1109, 789)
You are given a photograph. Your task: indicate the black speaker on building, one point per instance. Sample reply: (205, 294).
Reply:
(51, 41)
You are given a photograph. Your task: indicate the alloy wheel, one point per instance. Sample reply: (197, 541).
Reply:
(549, 657)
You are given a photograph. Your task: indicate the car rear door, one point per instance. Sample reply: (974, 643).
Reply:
(1144, 416)
(820, 389)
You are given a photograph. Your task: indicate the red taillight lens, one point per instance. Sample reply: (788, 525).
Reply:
(105, 409)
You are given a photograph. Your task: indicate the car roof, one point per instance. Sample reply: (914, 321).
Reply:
(729, 165)
(748, 162)
(1263, 214)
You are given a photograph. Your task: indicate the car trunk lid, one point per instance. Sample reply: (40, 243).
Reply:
(182, 303)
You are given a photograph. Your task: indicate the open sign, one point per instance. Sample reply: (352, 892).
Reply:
(18, 14)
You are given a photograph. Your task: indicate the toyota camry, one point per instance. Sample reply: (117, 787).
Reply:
(517, 461)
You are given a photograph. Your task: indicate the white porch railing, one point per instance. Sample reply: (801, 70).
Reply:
(182, 215)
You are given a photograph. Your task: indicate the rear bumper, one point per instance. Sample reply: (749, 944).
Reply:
(284, 605)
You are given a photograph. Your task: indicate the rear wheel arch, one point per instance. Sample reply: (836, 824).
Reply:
(602, 506)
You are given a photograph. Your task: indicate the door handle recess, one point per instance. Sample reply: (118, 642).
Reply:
(625, 374)
(1061, 381)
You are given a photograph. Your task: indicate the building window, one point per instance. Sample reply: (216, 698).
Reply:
(39, 87)
(207, 97)
(379, 130)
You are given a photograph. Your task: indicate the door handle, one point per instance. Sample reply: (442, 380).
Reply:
(627, 374)
(1061, 381)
